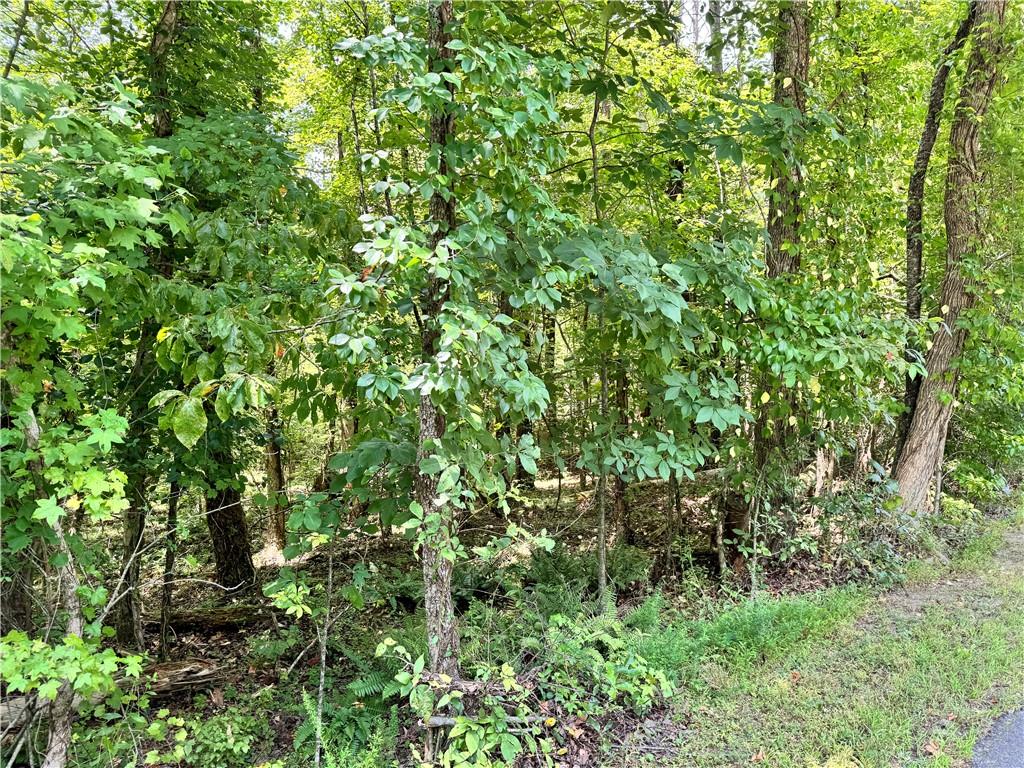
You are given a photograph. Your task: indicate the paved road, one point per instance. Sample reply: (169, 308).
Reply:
(1003, 746)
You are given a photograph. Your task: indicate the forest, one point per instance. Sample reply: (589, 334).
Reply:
(510, 382)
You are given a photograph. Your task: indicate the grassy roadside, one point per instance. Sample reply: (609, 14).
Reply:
(910, 679)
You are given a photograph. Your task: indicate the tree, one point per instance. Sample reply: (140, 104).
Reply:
(924, 447)
(128, 620)
(442, 632)
(790, 67)
(915, 206)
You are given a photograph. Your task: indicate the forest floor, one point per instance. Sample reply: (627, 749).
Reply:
(914, 677)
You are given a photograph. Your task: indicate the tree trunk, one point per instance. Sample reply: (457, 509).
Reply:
(163, 35)
(128, 616)
(167, 590)
(790, 62)
(442, 631)
(915, 210)
(624, 530)
(19, 31)
(363, 206)
(128, 613)
(926, 438)
(601, 491)
(717, 43)
(63, 709)
(276, 486)
(232, 552)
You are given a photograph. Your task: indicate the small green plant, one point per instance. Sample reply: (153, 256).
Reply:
(223, 741)
(268, 648)
(355, 733)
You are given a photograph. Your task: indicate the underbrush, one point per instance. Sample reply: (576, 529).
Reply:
(547, 667)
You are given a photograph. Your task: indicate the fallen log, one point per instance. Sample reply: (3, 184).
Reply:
(219, 617)
(172, 677)
(158, 680)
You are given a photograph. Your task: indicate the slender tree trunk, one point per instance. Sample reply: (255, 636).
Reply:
(621, 507)
(915, 210)
(62, 709)
(167, 589)
(128, 618)
(442, 632)
(276, 486)
(19, 31)
(717, 44)
(363, 206)
(128, 613)
(602, 487)
(926, 438)
(410, 206)
(790, 63)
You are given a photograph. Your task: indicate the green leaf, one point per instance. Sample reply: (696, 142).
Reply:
(509, 747)
(48, 510)
(189, 422)
(528, 463)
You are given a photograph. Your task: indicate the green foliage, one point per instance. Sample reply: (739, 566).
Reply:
(359, 734)
(224, 741)
(273, 646)
(559, 574)
(271, 271)
(743, 634)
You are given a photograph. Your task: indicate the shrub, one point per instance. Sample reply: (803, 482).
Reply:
(224, 741)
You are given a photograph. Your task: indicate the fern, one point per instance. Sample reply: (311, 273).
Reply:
(370, 684)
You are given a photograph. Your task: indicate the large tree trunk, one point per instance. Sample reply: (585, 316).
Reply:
(442, 632)
(62, 708)
(926, 439)
(915, 210)
(232, 552)
(790, 63)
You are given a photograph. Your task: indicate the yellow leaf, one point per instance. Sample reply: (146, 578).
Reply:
(945, 308)
(162, 333)
(814, 385)
(73, 502)
(792, 421)
(765, 397)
